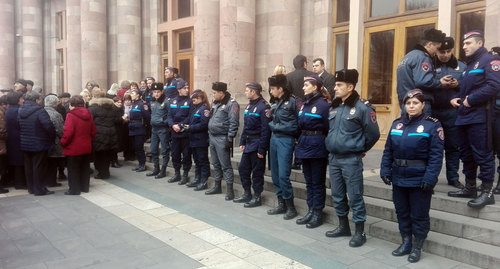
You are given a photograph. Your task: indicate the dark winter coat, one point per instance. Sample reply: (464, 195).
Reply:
(106, 116)
(3, 132)
(58, 122)
(14, 153)
(295, 80)
(79, 131)
(37, 131)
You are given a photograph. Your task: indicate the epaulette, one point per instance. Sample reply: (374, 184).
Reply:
(233, 100)
(431, 119)
(366, 102)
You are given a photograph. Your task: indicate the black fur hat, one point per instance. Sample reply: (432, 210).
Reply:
(219, 86)
(277, 81)
(448, 43)
(347, 75)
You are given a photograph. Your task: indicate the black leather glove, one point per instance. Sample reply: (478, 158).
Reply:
(229, 143)
(426, 187)
(387, 180)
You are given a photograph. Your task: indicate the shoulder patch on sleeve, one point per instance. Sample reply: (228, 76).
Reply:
(233, 100)
(206, 113)
(429, 118)
(495, 65)
(366, 102)
(440, 132)
(426, 66)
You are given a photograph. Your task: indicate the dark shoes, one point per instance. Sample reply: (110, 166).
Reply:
(194, 183)
(359, 237)
(296, 166)
(141, 168)
(44, 193)
(316, 219)
(255, 202)
(229, 192)
(465, 192)
(416, 250)
(405, 247)
(291, 212)
(485, 198)
(280, 209)
(163, 173)
(245, 198)
(305, 219)
(456, 184)
(342, 230)
(155, 172)
(70, 193)
(176, 177)
(216, 189)
(3, 191)
(184, 178)
(201, 186)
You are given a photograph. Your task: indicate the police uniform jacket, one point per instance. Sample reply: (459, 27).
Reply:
(353, 126)
(256, 132)
(415, 71)
(419, 139)
(480, 83)
(313, 123)
(284, 116)
(170, 88)
(198, 126)
(138, 117)
(159, 110)
(442, 96)
(225, 118)
(178, 113)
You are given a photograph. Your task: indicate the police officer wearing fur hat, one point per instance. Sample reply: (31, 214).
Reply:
(178, 116)
(416, 70)
(254, 142)
(412, 161)
(353, 131)
(222, 129)
(446, 65)
(480, 84)
(313, 123)
(285, 128)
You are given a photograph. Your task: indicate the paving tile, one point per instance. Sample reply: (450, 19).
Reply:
(168, 257)
(241, 248)
(218, 258)
(102, 199)
(37, 214)
(433, 261)
(124, 211)
(115, 225)
(368, 263)
(34, 243)
(95, 235)
(79, 261)
(177, 219)
(194, 226)
(269, 259)
(54, 230)
(142, 241)
(125, 196)
(73, 246)
(160, 211)
(182, 241)
(336, 253)
(19, 228)
(145, 204)
(215, 236)
(148, 223)
(34, 266)
(8, 249)
(31, 258)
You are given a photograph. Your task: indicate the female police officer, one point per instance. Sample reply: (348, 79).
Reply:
(313, 122)
(139, 116)
(412, 160)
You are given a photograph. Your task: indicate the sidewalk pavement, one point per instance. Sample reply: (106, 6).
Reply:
(134, 221)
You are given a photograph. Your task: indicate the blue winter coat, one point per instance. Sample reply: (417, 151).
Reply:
(442, 96)
(256, 132)
(284, 117)
(178, 113)
(419, 138)
(138, 117)
(14, 152)
(198, 126)
(480, 83)
(313, 117)
(36, 129)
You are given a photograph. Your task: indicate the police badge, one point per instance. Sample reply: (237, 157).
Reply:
(206, 113)
(420, 129)
(313, 110)
(476, 65)
(399, 126)
(353, 111)
(255, 109)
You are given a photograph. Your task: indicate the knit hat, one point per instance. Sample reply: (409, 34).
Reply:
(51, 100)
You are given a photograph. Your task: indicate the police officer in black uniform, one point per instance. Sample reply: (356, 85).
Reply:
(139, 117)
(159, 131)
(178, 116)
(254, 143)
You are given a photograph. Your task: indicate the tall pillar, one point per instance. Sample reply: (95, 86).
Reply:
(154, 65)
(94, 45)
(73, 47)
(206, 50)
(356, 38)
(32, 38)
(492, 21)
(7, 49)
(447, 17)
(146, 39)
(112, 41)
(322, 30)
(128, 38)
(237, 45)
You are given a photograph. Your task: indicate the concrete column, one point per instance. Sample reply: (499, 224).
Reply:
(94, 42)
(356, 38)
(146, 39)
(112, 41)
(73, 47)
(492, 22)
(322, 34)
(128, 31)
(237, 45)
(306, 13)
(447, 18)
(154, 65)
(32, 39)
(283, 35)
(7, 49)
(206, 50)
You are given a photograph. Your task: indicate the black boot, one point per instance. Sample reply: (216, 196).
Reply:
(497, 188)
(255, 202)
(184, 178)
(245, 198)
(176, 177)
(115, 164)
(156, 171)
(416, 250)
(195, 182)
(469, 191)
(216, 189)
(163, 172)
(342, 230)
(141, 168)
(3, 190)
(485, 198)
(201, 186)
(405, 247)
(280, 209)
(61, 176)
(359, 237)
(305, 219)
(291, 212)
(316, 219)
(229, 192)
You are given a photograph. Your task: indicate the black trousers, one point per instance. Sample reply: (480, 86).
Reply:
(19, 176)
(35, 164)
(102, 160)
(51, 172)
(79, 173)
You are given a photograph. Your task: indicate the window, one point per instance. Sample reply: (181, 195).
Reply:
(60, 72)
(343, 9)
(468, 22)
(61, 25)
(380, 67)
(384, 7)
(164, 10)
(420, 4)
(185, 40)
(184, 8)
(341, 51)
(164, 43)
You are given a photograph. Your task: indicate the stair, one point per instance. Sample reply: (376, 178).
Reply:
(457, 231)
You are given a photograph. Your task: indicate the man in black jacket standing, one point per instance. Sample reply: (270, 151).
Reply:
(295, 79)
(328, 79)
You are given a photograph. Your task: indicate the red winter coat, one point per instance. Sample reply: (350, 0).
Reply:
(79, 131)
